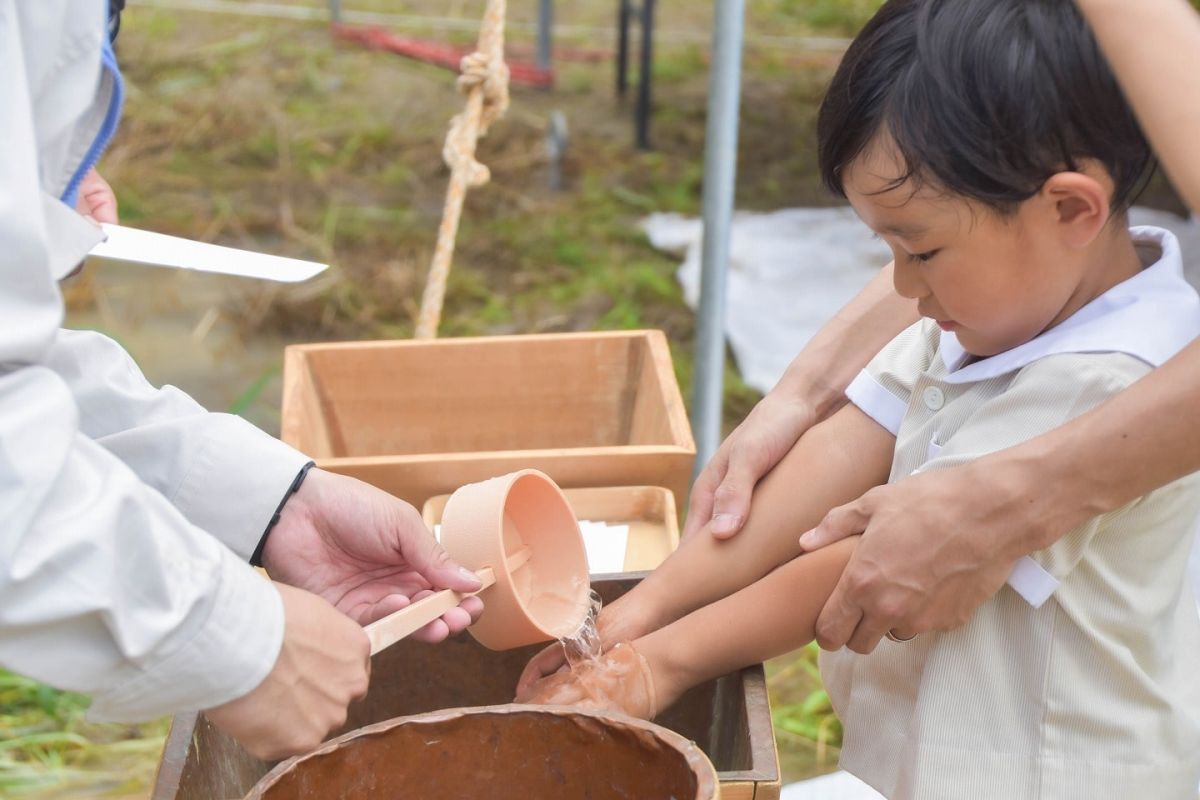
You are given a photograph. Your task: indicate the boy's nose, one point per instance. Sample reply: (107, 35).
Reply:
(907, 279)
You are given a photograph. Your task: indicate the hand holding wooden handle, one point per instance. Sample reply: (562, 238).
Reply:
(385, 632)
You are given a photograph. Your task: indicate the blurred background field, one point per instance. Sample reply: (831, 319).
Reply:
(264, 133)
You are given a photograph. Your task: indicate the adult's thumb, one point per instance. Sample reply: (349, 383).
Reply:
(430, 559)
(731, 500)
(839, 523)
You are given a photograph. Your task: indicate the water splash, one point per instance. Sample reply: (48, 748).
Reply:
(583, 645)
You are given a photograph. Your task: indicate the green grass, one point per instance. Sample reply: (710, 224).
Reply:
(809, 734)
(47, 748)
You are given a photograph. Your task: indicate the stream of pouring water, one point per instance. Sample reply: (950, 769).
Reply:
(584, 644)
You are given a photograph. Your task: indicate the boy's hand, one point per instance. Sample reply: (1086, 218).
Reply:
(324, 664)
(620, 681)
(552, 659)
(619, 622)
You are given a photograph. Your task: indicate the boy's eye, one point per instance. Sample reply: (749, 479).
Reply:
(923, 257)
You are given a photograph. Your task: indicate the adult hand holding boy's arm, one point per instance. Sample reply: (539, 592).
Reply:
(810, 391)
(937, 545)
(366, 552)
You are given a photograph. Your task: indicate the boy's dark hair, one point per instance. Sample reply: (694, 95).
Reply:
(985, 98)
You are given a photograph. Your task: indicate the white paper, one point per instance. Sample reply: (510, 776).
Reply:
(605, 545)
(159, 250)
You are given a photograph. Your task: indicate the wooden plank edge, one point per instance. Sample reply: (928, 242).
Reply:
(677, 417)
(764, 750)
(474, 341)
(481, 455)
(174, 756)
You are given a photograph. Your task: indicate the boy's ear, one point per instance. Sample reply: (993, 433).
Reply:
(1080, 202)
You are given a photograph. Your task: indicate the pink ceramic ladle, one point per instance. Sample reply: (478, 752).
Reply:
(521, 537)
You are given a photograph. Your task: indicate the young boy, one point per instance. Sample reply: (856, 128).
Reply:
(987, 142)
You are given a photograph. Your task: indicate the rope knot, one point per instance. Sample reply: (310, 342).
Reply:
(489, 73)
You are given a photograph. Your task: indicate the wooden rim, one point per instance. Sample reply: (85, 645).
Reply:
(697, 761)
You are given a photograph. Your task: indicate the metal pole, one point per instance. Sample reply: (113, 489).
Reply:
(545, 42)
(645, 76)
(720, 176)
(623, 14)
(335, 11)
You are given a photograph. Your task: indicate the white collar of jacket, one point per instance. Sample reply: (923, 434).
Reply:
(1151, 316)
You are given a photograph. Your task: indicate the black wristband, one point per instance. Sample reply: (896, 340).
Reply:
(256, 558)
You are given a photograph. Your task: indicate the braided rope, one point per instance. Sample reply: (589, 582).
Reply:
(484, 80)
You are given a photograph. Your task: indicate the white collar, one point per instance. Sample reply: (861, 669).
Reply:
(1151, 316)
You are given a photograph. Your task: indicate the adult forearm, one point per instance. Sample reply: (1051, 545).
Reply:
(1154, 48)
(831, 359)
(1141, 439)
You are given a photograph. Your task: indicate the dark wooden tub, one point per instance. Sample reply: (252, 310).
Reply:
(729, 718)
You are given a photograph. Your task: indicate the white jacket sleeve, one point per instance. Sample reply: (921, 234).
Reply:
(224, 474)
(105, 587)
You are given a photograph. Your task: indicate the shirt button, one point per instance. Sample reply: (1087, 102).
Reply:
(935, 398)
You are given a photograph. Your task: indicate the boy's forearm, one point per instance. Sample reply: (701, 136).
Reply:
(1154, 49)
(770, 617)
(834, 356)
(834, 463)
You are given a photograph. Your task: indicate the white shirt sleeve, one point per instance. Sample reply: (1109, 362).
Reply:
(883, 389)
(225, 475)
(107, 588)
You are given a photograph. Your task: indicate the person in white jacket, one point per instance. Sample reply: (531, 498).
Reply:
(129, 514)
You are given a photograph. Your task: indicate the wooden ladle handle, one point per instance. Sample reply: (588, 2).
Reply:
(385, 632)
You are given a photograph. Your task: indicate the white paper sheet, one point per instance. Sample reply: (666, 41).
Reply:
(605, 546)
(159, 250)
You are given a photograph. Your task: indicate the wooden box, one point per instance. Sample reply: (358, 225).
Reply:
(729, 718)
(649, 511)
(421, 418)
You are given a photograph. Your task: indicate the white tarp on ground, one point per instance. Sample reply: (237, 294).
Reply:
(789, 271)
